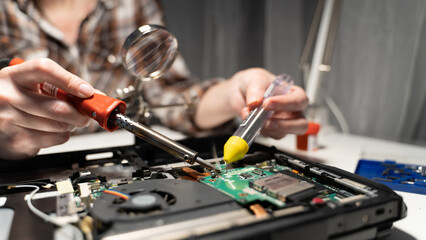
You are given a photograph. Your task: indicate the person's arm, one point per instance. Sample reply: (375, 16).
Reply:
(31, 120)
(244, 91)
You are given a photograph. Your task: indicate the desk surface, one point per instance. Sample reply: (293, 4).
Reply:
(338, 150)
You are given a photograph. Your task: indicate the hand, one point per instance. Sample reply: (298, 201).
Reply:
(288, 117)
(31, 120)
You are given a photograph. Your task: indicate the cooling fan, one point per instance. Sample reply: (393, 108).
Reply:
(144, 202)
(157, 202)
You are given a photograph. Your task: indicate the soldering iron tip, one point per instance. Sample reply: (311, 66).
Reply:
(206, 164)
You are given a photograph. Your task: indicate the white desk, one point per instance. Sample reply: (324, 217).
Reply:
(339, 150)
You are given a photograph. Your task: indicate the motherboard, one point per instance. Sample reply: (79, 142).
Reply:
(138, 192)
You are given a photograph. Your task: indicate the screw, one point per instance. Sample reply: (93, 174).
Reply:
(365, 218)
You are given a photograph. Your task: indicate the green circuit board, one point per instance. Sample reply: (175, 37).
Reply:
(235, 183)
(263, 182)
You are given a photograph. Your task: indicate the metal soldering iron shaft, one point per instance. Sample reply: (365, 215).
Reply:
(206, 164)
(156, 138)
(174, 148)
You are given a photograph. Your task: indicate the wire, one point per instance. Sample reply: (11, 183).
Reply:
(117, 193)
(64, 225)
(337, 113)
(37, 212)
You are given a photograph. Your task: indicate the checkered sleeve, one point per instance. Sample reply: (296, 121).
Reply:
(19, 35)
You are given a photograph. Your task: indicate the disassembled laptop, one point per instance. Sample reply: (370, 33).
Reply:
(141, 192)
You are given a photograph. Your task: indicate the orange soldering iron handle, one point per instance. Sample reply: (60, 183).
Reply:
(10, 62)
(16, 61)
(98, 106)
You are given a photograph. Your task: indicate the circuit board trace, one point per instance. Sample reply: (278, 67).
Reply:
(235, 183)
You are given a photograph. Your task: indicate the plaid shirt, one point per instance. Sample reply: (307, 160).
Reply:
(95, 56)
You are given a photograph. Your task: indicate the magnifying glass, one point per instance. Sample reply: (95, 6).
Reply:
(149, 51)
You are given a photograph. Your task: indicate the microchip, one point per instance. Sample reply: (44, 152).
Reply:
(280, 186)
(258, 171)
(245, 175)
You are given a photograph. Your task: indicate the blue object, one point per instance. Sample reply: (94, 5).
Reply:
(400, 177)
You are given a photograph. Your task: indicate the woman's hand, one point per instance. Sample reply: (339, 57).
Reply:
(243, 92)
(31, 120)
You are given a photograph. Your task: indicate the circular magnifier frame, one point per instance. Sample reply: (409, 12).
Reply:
(137, 35)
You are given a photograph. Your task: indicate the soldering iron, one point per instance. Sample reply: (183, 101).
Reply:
(109, 113)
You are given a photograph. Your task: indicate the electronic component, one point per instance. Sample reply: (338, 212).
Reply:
(280, 186)
(194, 173)
(258, 171)
(95, 185)
(235, 183)
(303, 195)
(159, 200)
(64, 186)
(84, 190)
(85, 194)
(258, 210)
(245, 175)
(65, 204)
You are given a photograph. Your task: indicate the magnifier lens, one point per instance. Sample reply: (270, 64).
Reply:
(149, 51)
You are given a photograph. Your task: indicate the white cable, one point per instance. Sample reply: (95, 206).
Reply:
(35, 210)
(337, 113)
(76, 234)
